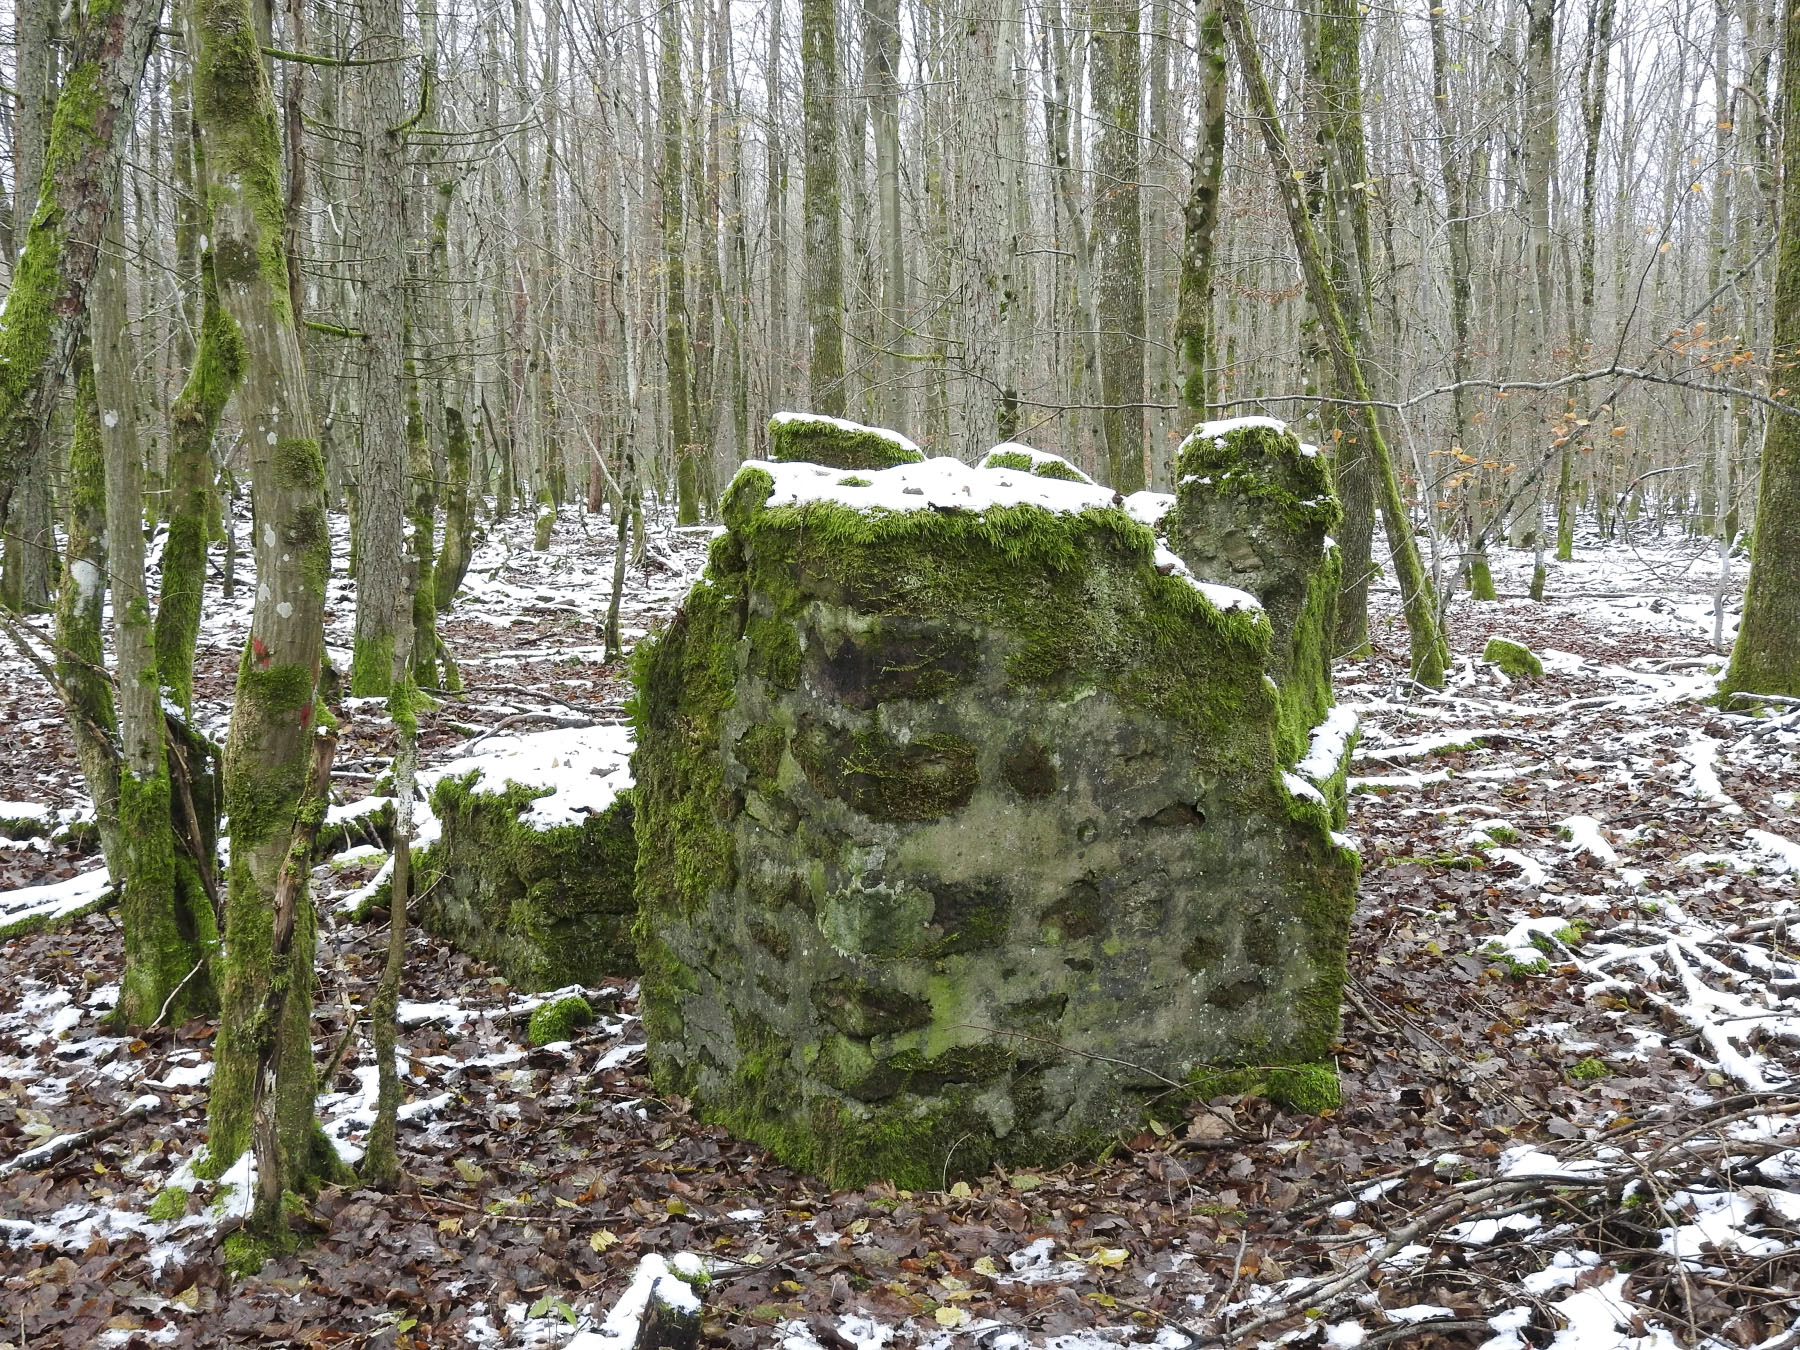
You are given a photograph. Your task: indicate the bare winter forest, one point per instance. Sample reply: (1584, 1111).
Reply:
(831, 675)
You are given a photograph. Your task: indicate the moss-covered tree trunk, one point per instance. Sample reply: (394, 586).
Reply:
(80, 641)
(824, 244)
(381, 560)
(45, 312)
(1194, 320)
(1340, 208)
(1430, 653)
(1766, 656)
(167, 917)
(268, 751)
(1118, 231)
(194, 420)
(26, 557)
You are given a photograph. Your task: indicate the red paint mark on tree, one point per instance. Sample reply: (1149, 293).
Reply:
(259, 649)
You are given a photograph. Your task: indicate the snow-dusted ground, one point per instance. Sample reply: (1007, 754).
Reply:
(1615, 862)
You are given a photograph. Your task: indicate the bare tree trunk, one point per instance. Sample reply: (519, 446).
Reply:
(1118, 230)
(383, 592)
(881, 75)
(1195, 318)
(824, 244)
(671, 102)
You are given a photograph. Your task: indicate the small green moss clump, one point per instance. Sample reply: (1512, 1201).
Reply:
(1589, 1070)
(169, 1205)
(557, 1019)
(837, 444)
(1310, 1088)
(1514, 659)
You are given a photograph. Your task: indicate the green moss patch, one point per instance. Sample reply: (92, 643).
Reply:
(1255, 509)
(1039, 462)
(549, 906)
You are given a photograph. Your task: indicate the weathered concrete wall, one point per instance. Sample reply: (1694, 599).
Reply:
(962, 833)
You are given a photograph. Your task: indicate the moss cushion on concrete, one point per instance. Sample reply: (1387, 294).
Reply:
(962, 836)
(534, 865)
(1012, 455)
(811, 438)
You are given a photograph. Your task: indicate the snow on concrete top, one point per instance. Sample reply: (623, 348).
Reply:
(1225, 426)
(1040, 462)
(841, 424)
(934, 484)
(584, 770)
(1149, 508)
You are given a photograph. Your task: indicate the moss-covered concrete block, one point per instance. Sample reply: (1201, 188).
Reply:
(811, 438)
(1513, 658)
(533, 868)
(962, 834)
(1255, 508)
(1024, 459)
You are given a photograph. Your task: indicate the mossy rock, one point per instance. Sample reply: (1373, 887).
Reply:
(962, 834)
(549, 906)
(557, 1020)
(813, 439)
(1255, 509)
(1024, 459)
(1515, 659)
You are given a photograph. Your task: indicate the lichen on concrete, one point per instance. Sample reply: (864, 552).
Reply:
(812, 438)
(962, 834)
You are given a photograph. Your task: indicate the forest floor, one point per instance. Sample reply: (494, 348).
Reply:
(1569, 1054)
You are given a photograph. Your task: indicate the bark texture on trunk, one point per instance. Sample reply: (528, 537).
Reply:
(45, 312)
(1766, 656)
(269, 749)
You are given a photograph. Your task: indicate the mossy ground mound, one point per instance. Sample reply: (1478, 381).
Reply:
(813, 439)
(962, 835)
(1514, 659)
(520, 878)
